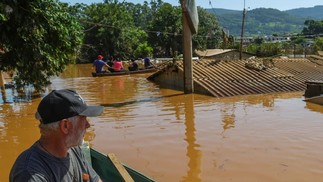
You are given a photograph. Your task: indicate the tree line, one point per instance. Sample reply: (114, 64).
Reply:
(127, 30)
(38, 38)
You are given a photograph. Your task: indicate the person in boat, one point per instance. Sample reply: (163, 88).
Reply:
(99, 65)
(110, 61)
(57, 155)
(117, 66)
(147, 63)
(133, 65)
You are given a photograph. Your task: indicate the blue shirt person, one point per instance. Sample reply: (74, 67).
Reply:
(100, 65)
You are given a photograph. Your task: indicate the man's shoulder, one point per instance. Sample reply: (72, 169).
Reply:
(30, 157)
(27, 154)
(25, 166)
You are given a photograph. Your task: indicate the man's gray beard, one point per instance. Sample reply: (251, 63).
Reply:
(74, 140)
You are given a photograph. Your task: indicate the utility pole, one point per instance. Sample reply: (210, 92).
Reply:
(242, 27)
(190, 26)
(187, 56)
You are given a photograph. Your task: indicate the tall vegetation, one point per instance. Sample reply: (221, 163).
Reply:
(110, 29)
(209, 33)
(313, 27)
(128, 30)
(38, 38)
(265, 49)
(318, 44)
(165, 30)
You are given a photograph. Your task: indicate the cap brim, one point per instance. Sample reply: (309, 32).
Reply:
(92, 111)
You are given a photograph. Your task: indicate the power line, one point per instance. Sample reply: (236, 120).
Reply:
(148, 31)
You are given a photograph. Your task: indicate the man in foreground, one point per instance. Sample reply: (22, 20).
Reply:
(56, 156)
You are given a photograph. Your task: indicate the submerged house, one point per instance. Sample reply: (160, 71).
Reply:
(223, 54)
(242, 77)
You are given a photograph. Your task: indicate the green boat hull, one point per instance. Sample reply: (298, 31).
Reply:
(103, 165)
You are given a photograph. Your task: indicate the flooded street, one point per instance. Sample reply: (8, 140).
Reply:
(172, 137)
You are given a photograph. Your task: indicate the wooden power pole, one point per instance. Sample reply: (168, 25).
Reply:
(190, 23)
(187, 56)
(242, 29)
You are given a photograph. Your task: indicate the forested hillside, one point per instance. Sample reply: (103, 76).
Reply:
(266, 21)
(315, 13)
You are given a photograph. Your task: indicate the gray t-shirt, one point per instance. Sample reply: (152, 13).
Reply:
(37, 165)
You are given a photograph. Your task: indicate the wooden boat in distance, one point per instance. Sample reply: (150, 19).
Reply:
(151, 70)
(314, 92)
(110, 169)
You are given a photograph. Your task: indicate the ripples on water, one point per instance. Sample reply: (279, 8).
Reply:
(171, 136)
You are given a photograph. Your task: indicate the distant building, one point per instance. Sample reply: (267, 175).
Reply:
(275, 39)
(246, 40)
(269, 39)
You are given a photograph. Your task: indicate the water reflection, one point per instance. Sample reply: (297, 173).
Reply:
(228, 116)
(17, 132)
(4, 96)
(11, 95)
(81, 70)
(90, 134)
(314, 107)
(228, 121)
(193, 152)
(120, 104)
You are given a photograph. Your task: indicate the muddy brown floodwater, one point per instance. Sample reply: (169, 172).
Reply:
(171, 136)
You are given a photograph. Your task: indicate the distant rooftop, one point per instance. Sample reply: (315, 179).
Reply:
(212, 52)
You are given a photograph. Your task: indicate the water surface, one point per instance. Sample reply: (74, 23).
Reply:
(171, 136)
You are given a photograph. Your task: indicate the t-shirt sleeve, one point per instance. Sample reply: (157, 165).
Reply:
(25, 176)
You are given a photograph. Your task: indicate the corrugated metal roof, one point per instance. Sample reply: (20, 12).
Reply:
(232, 78)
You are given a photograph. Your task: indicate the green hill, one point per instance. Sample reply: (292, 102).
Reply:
(266, 21)
(220, 11)
(315, 13)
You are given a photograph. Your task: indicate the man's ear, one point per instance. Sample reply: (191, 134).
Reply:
(64, 125)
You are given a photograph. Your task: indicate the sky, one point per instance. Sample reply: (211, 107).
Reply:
(229, 4)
